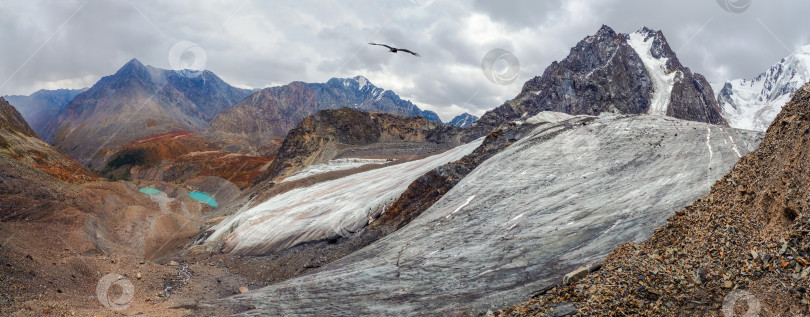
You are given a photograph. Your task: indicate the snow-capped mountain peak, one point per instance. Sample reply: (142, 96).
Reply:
(361, 81)
(753, 103)
(463, 120)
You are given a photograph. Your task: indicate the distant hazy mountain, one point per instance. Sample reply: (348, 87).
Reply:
(272, 112)
(753, 104)
(612, 72)
(134, 102)
(463, 120)
(41, 107)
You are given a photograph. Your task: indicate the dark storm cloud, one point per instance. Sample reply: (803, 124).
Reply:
(72, 44)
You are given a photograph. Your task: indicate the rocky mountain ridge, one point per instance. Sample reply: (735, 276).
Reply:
(272, 112)
(18, 142)
(635, 73)
(183, 156)
(348, 132)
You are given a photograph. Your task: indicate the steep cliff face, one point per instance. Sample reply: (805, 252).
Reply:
(272, 112)
(13, 121)
(332, 133)
(135, 102)
(612, 72)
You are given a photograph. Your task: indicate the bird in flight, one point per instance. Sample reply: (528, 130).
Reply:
(394, 49)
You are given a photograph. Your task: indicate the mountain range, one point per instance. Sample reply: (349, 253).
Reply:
(138, 101)
(341, 198)
(135, 102)
(272, 112)
(754, 103)
(459, 235)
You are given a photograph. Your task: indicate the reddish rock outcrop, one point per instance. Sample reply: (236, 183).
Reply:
(180, 156)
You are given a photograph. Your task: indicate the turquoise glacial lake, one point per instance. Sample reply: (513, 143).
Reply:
(203, 197)
(150, 191)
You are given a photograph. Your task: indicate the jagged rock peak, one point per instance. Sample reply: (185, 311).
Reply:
(635, 73)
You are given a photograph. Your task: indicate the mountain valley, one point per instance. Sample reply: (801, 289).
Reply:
(615, 182)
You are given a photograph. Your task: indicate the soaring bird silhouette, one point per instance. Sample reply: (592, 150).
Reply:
(394, 49)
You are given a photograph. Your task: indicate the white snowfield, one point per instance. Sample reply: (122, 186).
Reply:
(563, 196)
(657, 68)
(548, 116)
(325, 210)
(755, 103)
(333, 165)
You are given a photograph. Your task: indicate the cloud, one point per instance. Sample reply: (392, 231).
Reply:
(71, 44)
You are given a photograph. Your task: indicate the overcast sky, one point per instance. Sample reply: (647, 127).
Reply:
(71, 44)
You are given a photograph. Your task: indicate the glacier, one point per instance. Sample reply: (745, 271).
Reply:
(325, 210)
(563, 196)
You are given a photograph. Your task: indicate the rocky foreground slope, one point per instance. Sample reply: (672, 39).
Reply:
(612, 72)
(743, 249)
(562, 196)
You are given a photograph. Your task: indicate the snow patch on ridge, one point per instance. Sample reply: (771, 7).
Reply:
(333, 165)
(548, 116)
(657, 68)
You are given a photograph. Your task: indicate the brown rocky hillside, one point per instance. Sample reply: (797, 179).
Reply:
(19, 142)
